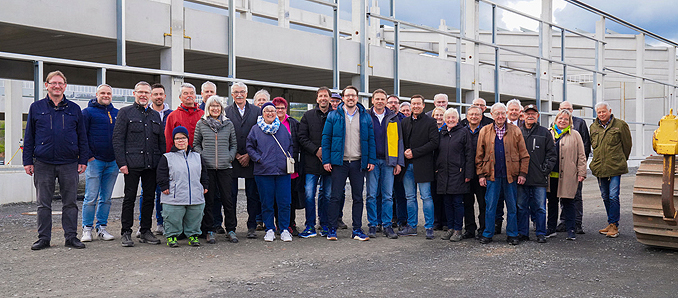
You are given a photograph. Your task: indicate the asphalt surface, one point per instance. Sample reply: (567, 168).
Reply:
(591, 266)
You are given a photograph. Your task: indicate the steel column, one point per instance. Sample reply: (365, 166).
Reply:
(101, 76)
(562, 58)
(38, 83)
(121, 35)
(335, 46)
(363, 47)
(497, 97)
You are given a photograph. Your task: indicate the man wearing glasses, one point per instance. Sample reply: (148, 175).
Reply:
(187, 115)
(55, 145)
(138, 143)
(480, 103)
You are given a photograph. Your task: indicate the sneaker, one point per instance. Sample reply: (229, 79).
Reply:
(541, 239)
(148, 237)
(270, 236)
(613, 232)
(550, 234)
(332, 234)
(323, 231)
(341, 224)
(605, 230)
(127, 239)
(220, 230)
(408, 231)
(86, 234)
(103, 234)
(233, 237)
(172, 242)
(286, 236)
(358, 234)
(456, 235)
(372, 232)
(578, 229)
(159, 230)
(389, 233)
(139, 233)
(251, 234)
(447, 235)
(294, 231)
(560, 227)
(260, 226)
(309, 232)
(429, 233)
(211, 237)
(379, 229)
(571, 236)
(193, 241)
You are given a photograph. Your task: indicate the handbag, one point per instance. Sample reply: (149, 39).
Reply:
(290, 160)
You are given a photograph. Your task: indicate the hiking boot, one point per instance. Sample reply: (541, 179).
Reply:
(372, 232)
(260, 226)
(220, 230)
(233, 237)
(148, 237)
(74, 243)
(389, 233)
(270, 236)
(447, 235)
(193, 241)
(286, 236)
(211, 237)
(429, 233)
(159, 230)
(86, 234)
(408, 231)
(127, 239)
(613, 232)
(341, 224)
(323, 231)
(103, 234)
(309, 232)
(172, 242)
(358, 234)
(332, 234)
(605, 230)
(560, 227)
(456, 235)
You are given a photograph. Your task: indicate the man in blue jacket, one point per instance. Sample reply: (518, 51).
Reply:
(102, 171)
(348, 149)
(55, 146)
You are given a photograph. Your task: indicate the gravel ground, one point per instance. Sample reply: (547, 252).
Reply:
(592, 266)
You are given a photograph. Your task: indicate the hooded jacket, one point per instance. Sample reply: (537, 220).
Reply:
(334, 134)
(185, 175)
(99, 123)
(455, 161)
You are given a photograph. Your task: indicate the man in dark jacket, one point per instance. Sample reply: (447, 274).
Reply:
(420, 135)
(399, 201)
(348, 151)
(580, 126)
(55, 146)
(479, 102)
(532, 195)
(244, 115)
(310, 141)
(102, 171)
(138, 142)
(477, 193)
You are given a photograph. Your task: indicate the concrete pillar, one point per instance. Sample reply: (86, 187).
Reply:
(471, 13)
(173, 57)
(640, 95)
(442, 40)
(284, 13)
(546, 66)
(247, 14)
(374, 36)
(600, 79)
(13, 119)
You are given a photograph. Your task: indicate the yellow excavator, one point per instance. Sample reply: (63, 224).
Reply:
(654, 213)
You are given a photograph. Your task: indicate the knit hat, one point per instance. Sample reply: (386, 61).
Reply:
(336, 95)
(179, 129)
(268, 103)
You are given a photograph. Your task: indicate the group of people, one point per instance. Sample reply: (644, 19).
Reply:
(189, 161)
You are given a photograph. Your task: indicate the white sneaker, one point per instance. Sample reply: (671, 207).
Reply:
(139, 233)
(270, 236)
(286, 236)
(103, 234)
(159, 230)
(86, 234)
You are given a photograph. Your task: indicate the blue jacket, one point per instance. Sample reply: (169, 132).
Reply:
(55, 134)
(99, 123)
(334, 134)
(265, 153)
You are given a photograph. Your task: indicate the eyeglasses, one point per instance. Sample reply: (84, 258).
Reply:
(268, 111)
(142, 92)
(181, 139)
(351, 95)
(281, 108)
(240, 92)
(60, 84)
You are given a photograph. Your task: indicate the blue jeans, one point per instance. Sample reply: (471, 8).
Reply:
(356, 176)
(412, 205)
(100, 178)
(158, 206)
(380, 180)
(609, 190)
(494, 188)
(324, 192)
(531, 201)
(275, 190)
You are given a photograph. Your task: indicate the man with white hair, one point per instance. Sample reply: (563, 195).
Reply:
(479, 102)
(187, 115)
(612, 139)
(206, 91)
(439, 100)
(261, 97)
(513, 109)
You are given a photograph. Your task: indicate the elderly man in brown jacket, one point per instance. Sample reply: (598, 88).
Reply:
(501, 161)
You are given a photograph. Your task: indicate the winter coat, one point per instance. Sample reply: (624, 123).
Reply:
(572, 163)
(99, 123)
(310, 140)
(483, 121)
(217, 148)
(242, 124)
(138, 140)
(421, 136)
(55, 134)
(474, 142)
(182, 172)
(182, 116)
(394, 138)
(580, 126)
(611, 148)
(516, 155)
(267, 156)
(541, 147)
(294, 133)
(455, 161)
(334, 134)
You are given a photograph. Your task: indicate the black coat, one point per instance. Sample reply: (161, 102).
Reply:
(421, 136)
(138, 138)
(474, 142)
(310, 140)
(243, 124)
(456, 161)
(542, 149)
(580, 126)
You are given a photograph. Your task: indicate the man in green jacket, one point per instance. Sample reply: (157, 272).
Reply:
(611, 142)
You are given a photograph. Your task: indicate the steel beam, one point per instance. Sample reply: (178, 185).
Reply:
(121, 35)
(335, 46)
(38, 81)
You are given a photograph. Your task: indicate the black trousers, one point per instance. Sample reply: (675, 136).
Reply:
(439, 214)
(148, 185)
(44, 178)
(219, 189)
(477, 193)
(253, 202)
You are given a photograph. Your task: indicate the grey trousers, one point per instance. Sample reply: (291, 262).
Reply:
(44, 179)
(578, 207)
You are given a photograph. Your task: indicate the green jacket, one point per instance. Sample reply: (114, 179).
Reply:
(611, 148)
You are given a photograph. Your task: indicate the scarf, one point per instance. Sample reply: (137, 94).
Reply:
(560, 133)
(270, 129)
(215, 124)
